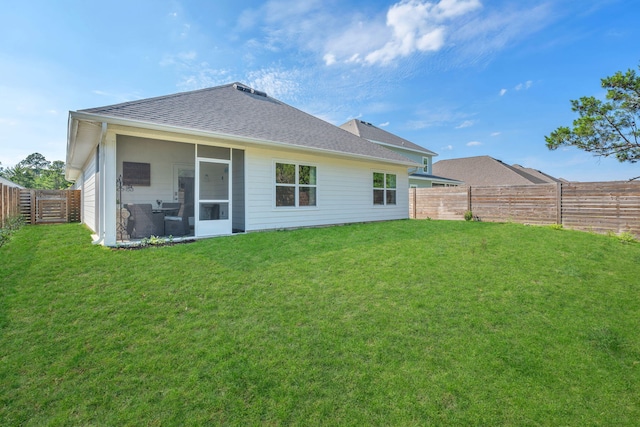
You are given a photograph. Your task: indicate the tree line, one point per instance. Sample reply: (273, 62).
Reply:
(37, 172)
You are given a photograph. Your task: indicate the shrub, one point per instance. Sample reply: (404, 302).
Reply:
(12, 224)
(468, 216)
(626, 237)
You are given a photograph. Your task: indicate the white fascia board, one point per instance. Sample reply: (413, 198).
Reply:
(70, 173)
(232, 138)
(73, 165)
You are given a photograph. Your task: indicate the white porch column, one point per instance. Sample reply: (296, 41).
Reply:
(108, 190)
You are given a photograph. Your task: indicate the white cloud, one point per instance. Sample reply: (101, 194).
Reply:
(526, 85)
(201, 75)
(447, 148)
(329, 59)
(463, 32)
(441, 116)
(496, 133)
(418, 26)
(383, 125)
(181, 58)
(474, 143)
(277, 83)
(502, 92)
(465, 124)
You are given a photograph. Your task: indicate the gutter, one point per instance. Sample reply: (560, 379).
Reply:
(233, 138)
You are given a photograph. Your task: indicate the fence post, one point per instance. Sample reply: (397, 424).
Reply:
(415, 203)
(469, 199)
(1, 205)
(32, 206)
(559, 203)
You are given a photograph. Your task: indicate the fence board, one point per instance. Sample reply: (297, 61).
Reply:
(440, 202)
(597, 206)
(9, 203)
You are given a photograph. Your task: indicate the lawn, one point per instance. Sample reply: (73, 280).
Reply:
(398, 323)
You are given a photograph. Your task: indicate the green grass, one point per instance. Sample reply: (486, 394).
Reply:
(401, 323)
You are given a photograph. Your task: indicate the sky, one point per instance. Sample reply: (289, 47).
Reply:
(459, 77)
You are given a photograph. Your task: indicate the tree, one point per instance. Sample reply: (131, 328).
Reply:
(606, 128)
(20, 175)
(37, 172)
(53, 177)
(36, 162)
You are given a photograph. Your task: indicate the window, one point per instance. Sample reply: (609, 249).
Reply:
(384, 188)
(296, 185)
(425, 162)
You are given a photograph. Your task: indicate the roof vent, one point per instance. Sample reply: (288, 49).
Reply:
(259, 93)
(241, 88)
(249, 90)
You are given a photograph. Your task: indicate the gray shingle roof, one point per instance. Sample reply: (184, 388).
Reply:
(536, 173)
(485, 170)
(237, 110)
(375, 134)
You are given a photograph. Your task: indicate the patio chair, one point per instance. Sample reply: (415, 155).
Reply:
(142, 219)
(178, 225)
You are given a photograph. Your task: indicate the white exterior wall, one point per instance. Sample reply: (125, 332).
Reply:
(88, 184)
(344, 185)
(162, 156)
(344, 191)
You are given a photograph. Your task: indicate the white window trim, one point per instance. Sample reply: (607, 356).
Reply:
(426, 165)
(297, 185)
(385, 189)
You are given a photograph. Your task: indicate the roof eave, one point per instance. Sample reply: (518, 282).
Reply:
(71, 173)
(422, 151)
(229, 137)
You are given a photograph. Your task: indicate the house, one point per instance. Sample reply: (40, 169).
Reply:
(419, 177)
(7, 183)
(221, 160)
(485, 170)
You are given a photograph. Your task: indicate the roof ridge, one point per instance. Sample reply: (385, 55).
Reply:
(161, 97)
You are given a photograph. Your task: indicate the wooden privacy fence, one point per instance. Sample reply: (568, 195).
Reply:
(9, 203)
(592, 206)
(39, 206)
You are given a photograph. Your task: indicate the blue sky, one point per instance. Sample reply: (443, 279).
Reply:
(459, 77)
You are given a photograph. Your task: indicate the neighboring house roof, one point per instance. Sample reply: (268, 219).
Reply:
(485, 170)
(422, 175)
(538, 174)
(374, 134)
(237, 112)
(5, 181)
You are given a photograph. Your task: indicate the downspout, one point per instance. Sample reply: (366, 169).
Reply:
(101, 187)
(72, 129)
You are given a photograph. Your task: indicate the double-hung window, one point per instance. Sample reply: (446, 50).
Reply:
(384, 188)
(296, 185)
(425, 162)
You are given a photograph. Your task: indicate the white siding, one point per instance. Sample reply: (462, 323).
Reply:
(344, 191)
(89, 199)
